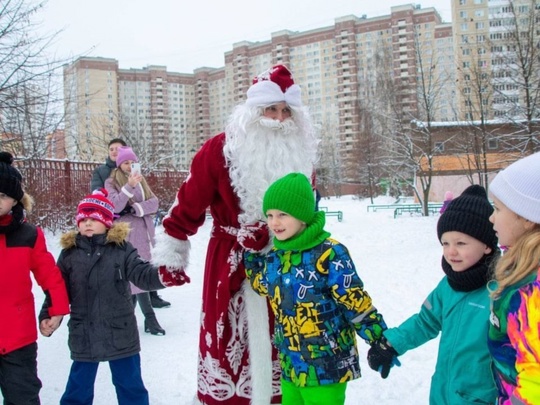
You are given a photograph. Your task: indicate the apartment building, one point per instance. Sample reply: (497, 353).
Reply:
(334, 66)
(150, 108)
(492, 44)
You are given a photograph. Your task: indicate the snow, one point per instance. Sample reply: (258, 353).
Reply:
(397, 259)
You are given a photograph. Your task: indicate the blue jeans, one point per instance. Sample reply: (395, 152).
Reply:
(126, 377)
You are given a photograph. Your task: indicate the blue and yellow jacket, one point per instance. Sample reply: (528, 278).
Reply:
(320, 305)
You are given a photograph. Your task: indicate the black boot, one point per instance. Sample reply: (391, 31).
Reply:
(157, 301)
(151, 325)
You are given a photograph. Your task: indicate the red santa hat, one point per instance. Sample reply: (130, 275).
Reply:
(274, 86)
(96, 206)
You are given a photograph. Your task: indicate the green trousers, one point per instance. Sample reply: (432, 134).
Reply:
(332, 394)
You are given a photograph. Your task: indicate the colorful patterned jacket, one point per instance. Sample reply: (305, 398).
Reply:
(320, 304)
(514, 342)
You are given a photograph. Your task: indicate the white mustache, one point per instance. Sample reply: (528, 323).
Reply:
(272, 124)
(283, 126)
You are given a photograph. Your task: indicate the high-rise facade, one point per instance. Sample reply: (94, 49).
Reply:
(150, 108)
(496, 51)
(334, 66)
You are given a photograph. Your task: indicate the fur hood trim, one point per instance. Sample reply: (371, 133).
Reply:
(117, 234)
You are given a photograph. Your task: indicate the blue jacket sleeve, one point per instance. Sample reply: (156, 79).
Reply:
(348, 291)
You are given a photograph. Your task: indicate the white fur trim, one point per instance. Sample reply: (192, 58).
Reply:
(124, 190)
(138, 209)
(260, 346)
(267, 92)
(169, 251)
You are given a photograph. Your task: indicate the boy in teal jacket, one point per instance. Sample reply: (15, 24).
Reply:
(458, 307)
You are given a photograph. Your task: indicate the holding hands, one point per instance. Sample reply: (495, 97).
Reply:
(170, 277)
(49, 325)
(254, 237)
(382, 357)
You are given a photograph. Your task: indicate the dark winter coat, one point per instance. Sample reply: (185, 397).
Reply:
(101, 173)
(23, 251)
(97, 271)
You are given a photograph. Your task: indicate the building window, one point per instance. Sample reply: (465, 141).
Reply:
(493, 144)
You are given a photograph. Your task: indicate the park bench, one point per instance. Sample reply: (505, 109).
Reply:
(375, 207)
(400, 201)
(338, 214)
(433, 208)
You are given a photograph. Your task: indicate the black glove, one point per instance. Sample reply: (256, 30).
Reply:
(382, 357)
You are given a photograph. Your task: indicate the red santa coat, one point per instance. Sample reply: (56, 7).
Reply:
(23, 251)
(223, 374)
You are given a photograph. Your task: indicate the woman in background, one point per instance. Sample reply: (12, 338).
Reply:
(135, 204)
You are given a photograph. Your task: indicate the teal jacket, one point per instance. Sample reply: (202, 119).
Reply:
(463, 370)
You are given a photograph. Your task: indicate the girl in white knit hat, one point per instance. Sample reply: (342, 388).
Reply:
(514, 333)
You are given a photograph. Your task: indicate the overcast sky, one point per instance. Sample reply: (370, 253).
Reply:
(185, 35)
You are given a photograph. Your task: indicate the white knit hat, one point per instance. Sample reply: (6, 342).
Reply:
(518, 187)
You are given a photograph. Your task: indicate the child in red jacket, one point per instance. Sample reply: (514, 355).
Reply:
(23, 250)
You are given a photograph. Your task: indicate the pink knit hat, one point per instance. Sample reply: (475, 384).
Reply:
(125, 153)
(96, 206)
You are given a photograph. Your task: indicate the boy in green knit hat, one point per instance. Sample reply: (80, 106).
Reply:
(318, 299)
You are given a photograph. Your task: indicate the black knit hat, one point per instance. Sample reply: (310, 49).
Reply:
(10, 178)
(469, 213)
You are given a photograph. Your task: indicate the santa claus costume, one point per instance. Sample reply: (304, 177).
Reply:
(230, 174)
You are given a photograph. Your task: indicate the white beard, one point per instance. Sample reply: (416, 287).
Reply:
(259, 151)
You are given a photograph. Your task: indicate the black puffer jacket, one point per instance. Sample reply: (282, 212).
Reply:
(102, 324)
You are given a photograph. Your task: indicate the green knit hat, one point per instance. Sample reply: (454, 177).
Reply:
(291, 194)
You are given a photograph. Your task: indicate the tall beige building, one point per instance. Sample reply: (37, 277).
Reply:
(152, 109)
(334, 66)
(91, 107)
(489, 37)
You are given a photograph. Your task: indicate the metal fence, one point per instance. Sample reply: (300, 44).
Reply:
(57, 186)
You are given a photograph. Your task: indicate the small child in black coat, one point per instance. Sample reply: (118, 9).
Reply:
(97, 264)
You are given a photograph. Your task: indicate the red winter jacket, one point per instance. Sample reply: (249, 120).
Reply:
(23, 250)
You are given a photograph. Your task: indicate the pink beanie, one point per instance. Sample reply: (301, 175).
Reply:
(125, 153)
(96, 206)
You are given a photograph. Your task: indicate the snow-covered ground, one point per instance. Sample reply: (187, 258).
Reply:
(398, 260)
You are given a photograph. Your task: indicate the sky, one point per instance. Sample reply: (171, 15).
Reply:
(187, 35)
(397, 259)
